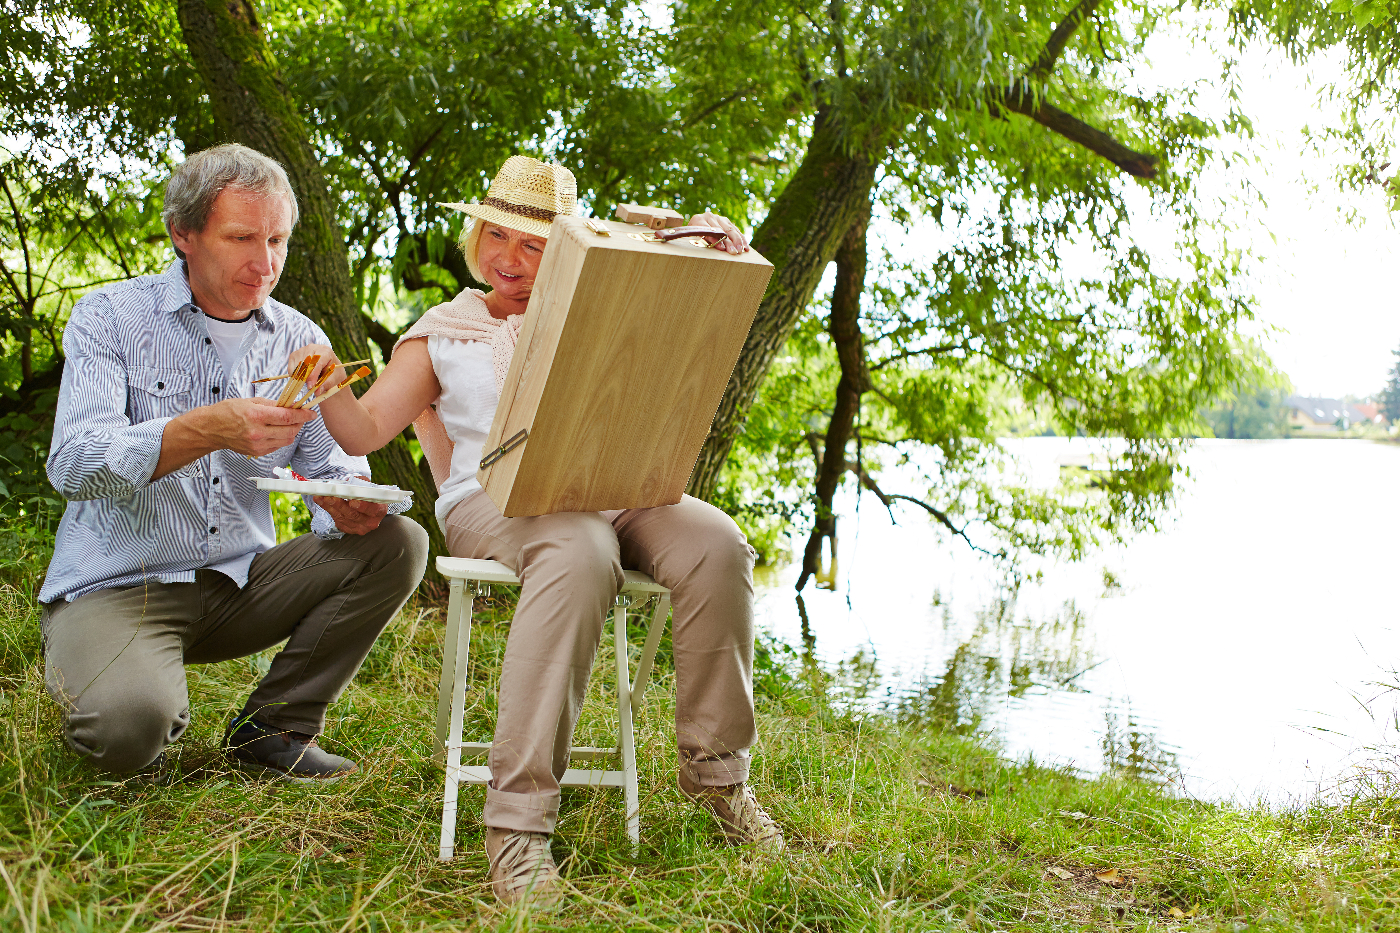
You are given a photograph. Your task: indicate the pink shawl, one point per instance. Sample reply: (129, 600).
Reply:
(463, 318)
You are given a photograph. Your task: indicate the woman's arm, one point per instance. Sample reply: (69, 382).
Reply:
(405, 387)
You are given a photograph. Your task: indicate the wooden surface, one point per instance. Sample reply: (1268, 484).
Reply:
(657, 218)
(625, 351)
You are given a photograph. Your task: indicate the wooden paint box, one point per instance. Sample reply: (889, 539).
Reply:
(626, 348)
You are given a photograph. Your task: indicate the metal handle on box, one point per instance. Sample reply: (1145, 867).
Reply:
(711, 234)
(515, 441)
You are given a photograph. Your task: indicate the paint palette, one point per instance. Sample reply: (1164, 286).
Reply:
(387, 494)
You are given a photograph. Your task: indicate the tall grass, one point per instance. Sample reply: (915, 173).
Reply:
(892, 825)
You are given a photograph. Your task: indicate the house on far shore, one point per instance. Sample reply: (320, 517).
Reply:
(1322, 416)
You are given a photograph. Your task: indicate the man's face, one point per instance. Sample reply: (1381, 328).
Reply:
(235, 261)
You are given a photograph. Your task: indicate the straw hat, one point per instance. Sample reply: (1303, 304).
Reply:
(525, 195)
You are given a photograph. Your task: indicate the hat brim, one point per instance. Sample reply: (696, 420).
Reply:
(494, 215)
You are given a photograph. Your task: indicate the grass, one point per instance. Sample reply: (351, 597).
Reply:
(890, 826)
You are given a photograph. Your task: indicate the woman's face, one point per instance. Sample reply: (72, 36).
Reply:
(509, 259)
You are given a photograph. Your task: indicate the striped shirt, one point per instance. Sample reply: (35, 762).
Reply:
(138, 354)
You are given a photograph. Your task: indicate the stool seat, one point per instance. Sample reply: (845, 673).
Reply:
(452, 687)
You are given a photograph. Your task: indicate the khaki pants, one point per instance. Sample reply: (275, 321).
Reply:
(570, 565)
(115, 658)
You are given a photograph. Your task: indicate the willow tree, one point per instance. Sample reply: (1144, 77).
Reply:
(1010, 131)
(1365, 35)
(1012, 134)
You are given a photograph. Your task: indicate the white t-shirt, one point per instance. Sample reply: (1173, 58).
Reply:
(228, 339)
(467, 406)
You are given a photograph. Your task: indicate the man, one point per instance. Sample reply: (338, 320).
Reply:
(166, 554)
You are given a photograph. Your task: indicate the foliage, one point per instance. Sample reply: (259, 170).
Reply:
(1032, 292)
(1390, 395)
(1366, 33)
(24, 446)
(1034, 296)
(1260, 414)
(290, 516)
(1255, 411)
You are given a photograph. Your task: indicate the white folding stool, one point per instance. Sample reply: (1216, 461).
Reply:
(452, 690)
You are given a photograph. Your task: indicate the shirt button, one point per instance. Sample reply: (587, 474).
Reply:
(207, 341)
(213, 530)
(216, 481)
(214, 389)
(160, 385)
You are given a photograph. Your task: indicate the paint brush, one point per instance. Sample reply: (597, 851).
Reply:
(297, 383)
(286, 375)
(360, 373)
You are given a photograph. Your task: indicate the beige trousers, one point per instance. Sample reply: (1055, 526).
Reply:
(115, 658)
(570, 565)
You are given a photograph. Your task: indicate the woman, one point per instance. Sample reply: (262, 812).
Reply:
(445, 376)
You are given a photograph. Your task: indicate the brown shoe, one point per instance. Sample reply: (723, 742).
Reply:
(523, 869)
(744, 822)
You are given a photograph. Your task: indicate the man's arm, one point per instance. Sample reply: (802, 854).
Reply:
(252, 426)
(97, 453)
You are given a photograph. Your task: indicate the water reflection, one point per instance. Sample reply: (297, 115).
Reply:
(1004, 657)
(1211, 614)
(1131, 751)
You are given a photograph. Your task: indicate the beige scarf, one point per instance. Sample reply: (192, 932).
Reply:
(463, 318)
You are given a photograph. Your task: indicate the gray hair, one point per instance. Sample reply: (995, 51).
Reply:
(192, 190)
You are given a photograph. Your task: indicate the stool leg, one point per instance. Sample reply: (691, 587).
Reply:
(625, 739)
(452, 627)
(459, 630)
(654, 633)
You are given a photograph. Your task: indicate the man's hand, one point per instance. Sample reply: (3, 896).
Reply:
(252, 426)
(353, 516)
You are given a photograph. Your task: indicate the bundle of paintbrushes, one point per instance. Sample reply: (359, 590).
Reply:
(300, 393)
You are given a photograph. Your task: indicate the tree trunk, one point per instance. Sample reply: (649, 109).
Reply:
(844, 327)
(804, 227)
(251, 106)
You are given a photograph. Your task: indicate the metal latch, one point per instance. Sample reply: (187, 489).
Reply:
(516, 440)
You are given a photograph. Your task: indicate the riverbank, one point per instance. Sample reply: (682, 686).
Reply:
(890, 826)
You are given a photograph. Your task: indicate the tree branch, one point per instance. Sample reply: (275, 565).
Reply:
(887, 499)
(381, 335)
(718, 105)
(1024, 96)
(1055, 45)
(1018, 99)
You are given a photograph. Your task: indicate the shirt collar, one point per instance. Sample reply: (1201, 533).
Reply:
(176, 296)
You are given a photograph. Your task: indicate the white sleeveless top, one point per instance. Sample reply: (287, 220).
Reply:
(466, 407)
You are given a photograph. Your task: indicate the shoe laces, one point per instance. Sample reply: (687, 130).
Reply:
(524, 857)
(748, 814)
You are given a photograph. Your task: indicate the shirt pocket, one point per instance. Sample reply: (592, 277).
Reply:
(157, 393)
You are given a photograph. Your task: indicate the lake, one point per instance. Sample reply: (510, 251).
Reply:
(1244, 652)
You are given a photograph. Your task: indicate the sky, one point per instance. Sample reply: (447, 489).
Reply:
(1326, 282)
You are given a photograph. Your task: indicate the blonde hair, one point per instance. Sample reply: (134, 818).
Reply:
(471, 245)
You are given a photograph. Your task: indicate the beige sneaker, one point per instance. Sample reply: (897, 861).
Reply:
(744, 821)
(523, 869)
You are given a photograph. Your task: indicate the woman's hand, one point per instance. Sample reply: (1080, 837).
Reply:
(735, 242)
(328, 361)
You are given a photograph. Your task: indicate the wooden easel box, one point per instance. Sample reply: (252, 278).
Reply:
(625, 351)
